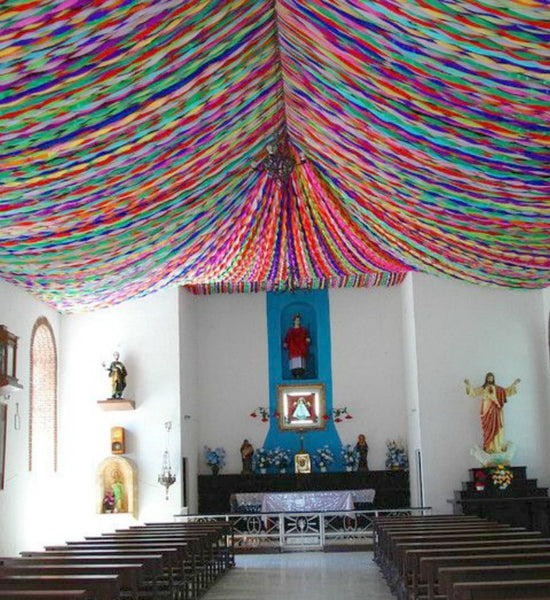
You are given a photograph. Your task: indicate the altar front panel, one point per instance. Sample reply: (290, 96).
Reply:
(216, 492)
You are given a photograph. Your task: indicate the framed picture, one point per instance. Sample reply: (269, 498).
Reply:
(302, 462)
(301, 406)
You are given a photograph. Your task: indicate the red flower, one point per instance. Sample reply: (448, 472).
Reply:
(338, 420)
(326, 417)
(253, 414)
(264, 419)
(349, 417)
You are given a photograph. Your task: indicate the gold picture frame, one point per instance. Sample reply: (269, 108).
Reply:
(302, 462)
(301, 406)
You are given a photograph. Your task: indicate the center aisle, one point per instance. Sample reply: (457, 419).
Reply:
(302, 576)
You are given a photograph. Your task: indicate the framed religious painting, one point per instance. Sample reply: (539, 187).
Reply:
(301, 406)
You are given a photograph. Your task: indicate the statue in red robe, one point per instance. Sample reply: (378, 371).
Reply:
(297, 342)
(493, 397)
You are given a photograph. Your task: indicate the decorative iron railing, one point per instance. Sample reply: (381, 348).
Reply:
(301, 530)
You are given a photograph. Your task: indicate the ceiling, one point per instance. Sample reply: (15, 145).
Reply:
(132, 135)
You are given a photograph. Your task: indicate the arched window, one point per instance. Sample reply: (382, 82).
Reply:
(43, 410)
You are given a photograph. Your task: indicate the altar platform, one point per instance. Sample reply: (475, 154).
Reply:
(391, 488)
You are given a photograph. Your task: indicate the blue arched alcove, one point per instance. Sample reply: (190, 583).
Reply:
(314, 310)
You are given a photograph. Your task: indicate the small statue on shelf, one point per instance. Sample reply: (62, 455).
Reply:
(247, 452)
(117, 373)
(362, 450)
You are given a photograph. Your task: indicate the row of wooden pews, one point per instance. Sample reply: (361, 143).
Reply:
(458, 557)
(155, 561)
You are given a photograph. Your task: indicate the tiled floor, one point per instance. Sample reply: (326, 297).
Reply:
(302, 576)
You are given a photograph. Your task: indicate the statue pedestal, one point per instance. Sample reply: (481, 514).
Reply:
(117, 404)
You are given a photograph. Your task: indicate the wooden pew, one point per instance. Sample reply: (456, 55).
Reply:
(399, 544)
(448, 576)
(395, 537)
(213, 555)
(401, 577)
(151, 564)
(189, 572)
(390, 533)
(130, 574)
(44, 594)
(497, 590)
(225, 545)
(98, 587)
(431, 568)
(418, 571)
(163, 581)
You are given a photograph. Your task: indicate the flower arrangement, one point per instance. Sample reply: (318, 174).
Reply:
(323, 457)
(396, 455)
(281, 458)
(338, 415)
(262, 458)
(108, 502)
(350, 456)
(261, 412)
(215, 459)
(480, 479)
(502, 476)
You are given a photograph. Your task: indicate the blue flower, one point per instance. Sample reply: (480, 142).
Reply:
(214, 458)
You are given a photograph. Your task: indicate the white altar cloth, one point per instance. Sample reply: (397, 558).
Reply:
(307, 501)
(296, 501)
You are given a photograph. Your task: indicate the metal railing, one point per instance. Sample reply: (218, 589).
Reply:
(286, 531)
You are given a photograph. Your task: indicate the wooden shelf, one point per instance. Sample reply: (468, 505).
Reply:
(117, 404)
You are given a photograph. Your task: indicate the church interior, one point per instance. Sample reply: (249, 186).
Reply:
(181, 180)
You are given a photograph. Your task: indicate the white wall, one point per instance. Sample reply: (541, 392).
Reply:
(146, 333)
(21, 516)
(38, 509)
(464, 331)
(367, 366)
(232, 373)
(189, 400)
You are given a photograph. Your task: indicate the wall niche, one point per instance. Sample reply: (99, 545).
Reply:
(117, 486)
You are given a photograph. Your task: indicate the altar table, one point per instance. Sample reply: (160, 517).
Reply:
(314, 501)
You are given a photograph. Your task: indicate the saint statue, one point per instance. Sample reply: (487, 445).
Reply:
(118, 491)
(302, 412)
(362, 450)
(493, 397)
(297, 342)
(117, 373)
(247, 451)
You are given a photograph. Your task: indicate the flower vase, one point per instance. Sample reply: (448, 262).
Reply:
(323, 469)
(215, 469)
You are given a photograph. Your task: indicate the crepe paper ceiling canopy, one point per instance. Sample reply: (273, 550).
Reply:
(132, 131)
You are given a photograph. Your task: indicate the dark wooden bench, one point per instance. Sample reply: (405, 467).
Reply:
(44, 594)
(399, 575)
(163, 580)
(421, 563)
(497, 590)
(191, 571)
(99, 587)
(130, 574)
(482, 564)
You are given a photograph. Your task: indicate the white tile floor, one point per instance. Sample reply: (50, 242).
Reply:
(302, 576)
